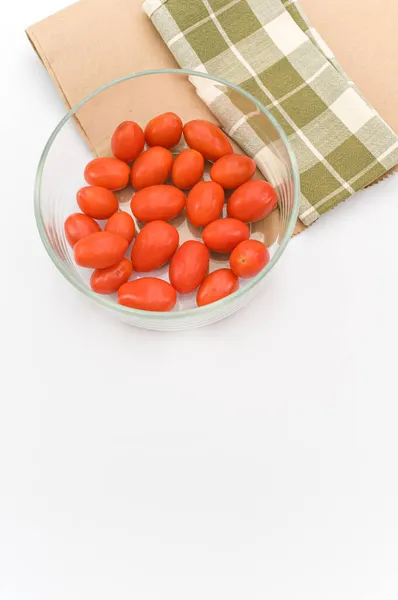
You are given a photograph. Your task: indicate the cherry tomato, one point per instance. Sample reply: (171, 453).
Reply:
(188, 169)
(252, 201)
(128, 141)
(208, 139)
(205, 203)
(158, 203)
(233, 170)
(97, 202)
(217, 285)
(223, 235)
(100, 250)
(164, 130)
(151, 168)
(122, 224)
(110, 173)
(249, 258)
(148, 293)
(78, 226)
(189, 267)
(108, 281)
(154, 246)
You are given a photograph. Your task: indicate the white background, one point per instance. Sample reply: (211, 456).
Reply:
(253, 459)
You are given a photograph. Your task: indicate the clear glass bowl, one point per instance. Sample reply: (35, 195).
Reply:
(60, 175)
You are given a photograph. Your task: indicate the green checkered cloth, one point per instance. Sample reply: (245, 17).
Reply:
(268, 48)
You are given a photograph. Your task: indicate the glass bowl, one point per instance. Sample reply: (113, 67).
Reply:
(139, 97)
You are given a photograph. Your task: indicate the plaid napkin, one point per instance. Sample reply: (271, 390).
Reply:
(268, 48)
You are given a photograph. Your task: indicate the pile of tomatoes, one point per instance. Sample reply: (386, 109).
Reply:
(155, 203)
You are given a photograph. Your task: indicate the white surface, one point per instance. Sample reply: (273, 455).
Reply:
(253, 459)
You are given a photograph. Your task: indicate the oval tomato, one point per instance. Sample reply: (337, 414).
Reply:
(208, 139)
(128, 141)
(252, 201)
(78, 226)
(164, 130)
(100, 250)
(205, 203)
(223, 235)
(158, 203)
(233, 170)
(217, 285)
(154, 246)
(151, 168)
(148, 293)
(249, 258)
(108, 281)
(97, 202)
(189, 267)
(188, 169)
(110, 173)
(122, 224)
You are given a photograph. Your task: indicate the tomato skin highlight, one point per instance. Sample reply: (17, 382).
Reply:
(216, 286)
(78, 226)
(205, 203)
(122, 224)
(110, 173)
(100, 250)
(208, 139)
(154, 246)
(152, 167)
(249, 258)
(233, 170)
(164, 130)
(189, 267)
(188, 169)
(223, 235)
(128, 141)
(148, 293)
(252, 201)
(108, 281)
(97, 202)
(158, 203)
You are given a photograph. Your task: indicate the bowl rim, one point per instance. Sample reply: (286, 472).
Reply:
(103, 301)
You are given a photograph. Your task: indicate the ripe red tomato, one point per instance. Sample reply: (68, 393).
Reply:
(189, 267)
(151, 168)
(249, 258)
(122, 224)
(205, 203)
(154, 246)
(233, 170)
(78, 226)
(148, 293)
(100, 250)
(97, 202)
(217, 285)
(208, 139)
(252, 201)
(188, 169)
(110, 173)
(108, 281)
(128, 141)
(223, 235)
(158, 203)
(164, 130)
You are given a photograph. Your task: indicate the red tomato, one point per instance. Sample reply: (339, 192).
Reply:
(122, 224)
(164, 130)
(223, 235)
(233, 170)
(78, 226)
(217, 285)
(128, 141)
(252, 201)
(188, 169)
(110, 173)
(208, 139)
(148, 293)
(108, 281)
(158, 203)
(249, 258)
(205, 203)
(154, 246)
(189, 267)
(100, 250)
(151, 168)
(97, 202)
